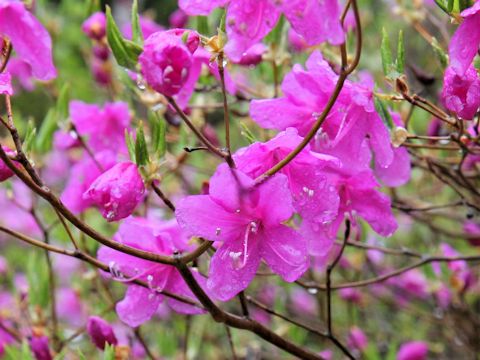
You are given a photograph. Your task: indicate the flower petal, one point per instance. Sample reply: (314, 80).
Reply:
(138, 305)
(285, 251)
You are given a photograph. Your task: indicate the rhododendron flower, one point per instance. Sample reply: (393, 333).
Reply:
(466, 40)
(117, 191)
(246, 222)
(101, 332)
(95, 26)
(352, 119)
(104, 127)
(82, 175)
(29, 38)
(413, 350)
(461, 93)
(314, 197)
(249, 21)
(139, 303)
(166, 60)
(6, 84)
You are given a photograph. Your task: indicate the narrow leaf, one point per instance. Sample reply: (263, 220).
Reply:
(382, 110)
(400, 53)
(130, 146)
(141, 151)
(137, 36)
(202, 25)
(386, 53)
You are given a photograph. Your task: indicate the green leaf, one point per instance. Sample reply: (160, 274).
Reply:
(125, 51)
(202, 25)
(63, 101)
(29, 140)
(247, 133)
(382, 110)
(137, 36)
(45, 134)
(92, 7)
(130, 146)
(37, 276)
(450, 4)
(141, 151)
(386, 52)
(109, 352)
(275, 36)
(400, 53)
(159, 129)
(442, 57)
(13, 352)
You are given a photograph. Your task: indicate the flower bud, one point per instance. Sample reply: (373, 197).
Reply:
(413, 350)
(399, 136)
(101, 332)
(95, 26)
(117, 191)
(40, 348)
(5, 172)
(166, 60)
(357, 339)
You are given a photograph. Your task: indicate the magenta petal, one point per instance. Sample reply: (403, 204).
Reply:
(6, 84)
(285, 251)
(374, 207)
(466, 40)
(227, 186)
(30, 39)
(228, 275)
(248, 22)
(279, 114)
(199, 215)
(177, 285)
(317, 21)
(200, 7)
(138, 305)
(275, 200)
(398, 172)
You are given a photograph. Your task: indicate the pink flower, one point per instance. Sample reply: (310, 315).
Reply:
(117, 191)
(413, 350)
(472, 228)
(314, 196)
(40, 348)
(139, 303)
(245, 221)
(69, 306)
(466, 40)
(29, 38)
(350, 294)
(166, 60)
(461, 93)
(6, 84)
(249, 21)
(101, 332)
(105, 127)
(357, 339)
(5, 172)
(82, 175)
(95, 26)
(351, 121)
